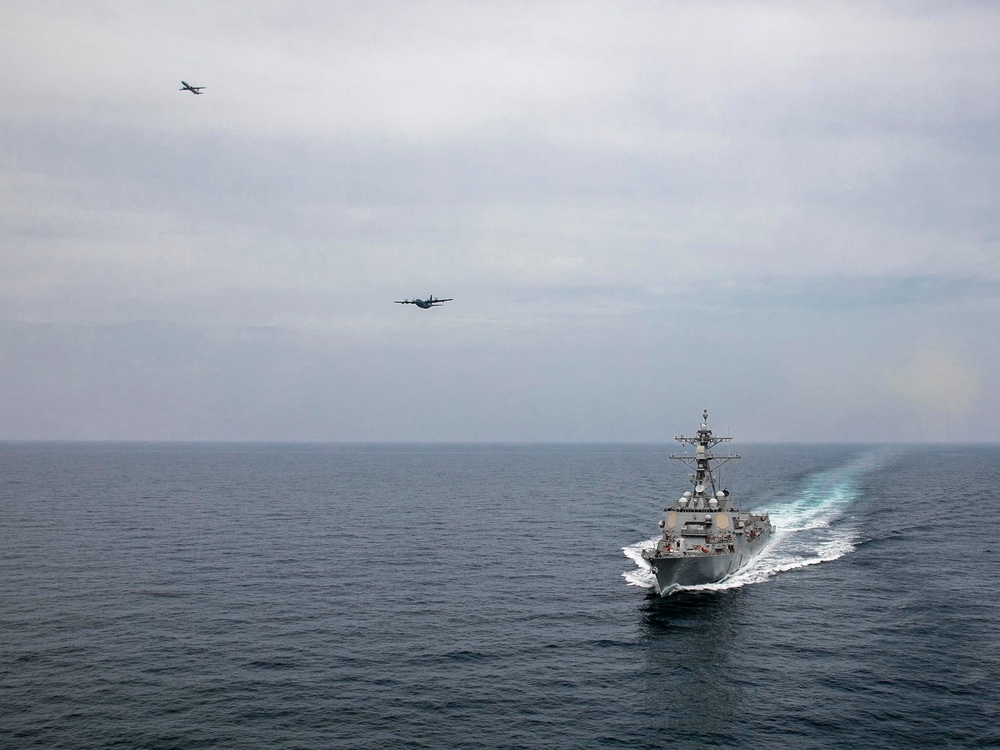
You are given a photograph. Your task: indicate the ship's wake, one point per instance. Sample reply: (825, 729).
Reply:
(811, 527)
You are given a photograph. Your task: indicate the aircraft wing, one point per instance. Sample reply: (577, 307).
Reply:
(450, 299)
(404, 302)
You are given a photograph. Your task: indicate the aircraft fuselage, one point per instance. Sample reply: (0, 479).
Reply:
(423, 304)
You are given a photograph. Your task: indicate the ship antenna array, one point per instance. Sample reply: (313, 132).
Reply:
(701, 462)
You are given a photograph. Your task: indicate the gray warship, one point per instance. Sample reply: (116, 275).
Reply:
(705, 537)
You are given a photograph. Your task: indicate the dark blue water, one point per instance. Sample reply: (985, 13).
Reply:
(233, 596)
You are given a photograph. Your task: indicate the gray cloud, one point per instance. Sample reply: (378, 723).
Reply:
(640, 210)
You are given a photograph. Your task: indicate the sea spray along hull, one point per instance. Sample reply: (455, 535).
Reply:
(673, 571)
(705, 537)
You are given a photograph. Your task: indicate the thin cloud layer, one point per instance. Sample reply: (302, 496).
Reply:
(619, 197)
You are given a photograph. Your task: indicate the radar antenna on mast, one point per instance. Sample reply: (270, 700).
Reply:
(704, 462)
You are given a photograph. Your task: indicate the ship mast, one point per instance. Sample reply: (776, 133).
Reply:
(703, 479)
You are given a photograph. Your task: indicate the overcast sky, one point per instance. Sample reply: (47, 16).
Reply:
(786, 213)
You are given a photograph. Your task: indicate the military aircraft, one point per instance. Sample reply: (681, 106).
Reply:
(193, 89)
(424, 304)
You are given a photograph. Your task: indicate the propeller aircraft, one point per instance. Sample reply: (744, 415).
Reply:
(424, 304)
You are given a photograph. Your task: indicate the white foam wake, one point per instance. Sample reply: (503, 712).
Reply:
(642, 575)
(811, 527)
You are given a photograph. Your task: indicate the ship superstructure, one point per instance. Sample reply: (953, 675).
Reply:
(705, 536)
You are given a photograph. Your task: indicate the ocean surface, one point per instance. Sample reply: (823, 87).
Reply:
(450, 596)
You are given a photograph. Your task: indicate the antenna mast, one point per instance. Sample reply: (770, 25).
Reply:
(704, 463)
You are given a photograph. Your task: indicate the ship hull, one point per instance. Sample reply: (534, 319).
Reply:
(694, 569)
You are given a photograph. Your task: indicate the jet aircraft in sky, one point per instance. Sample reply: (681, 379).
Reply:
(193, 89)
(424, 304)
